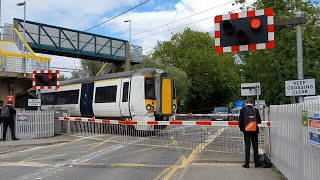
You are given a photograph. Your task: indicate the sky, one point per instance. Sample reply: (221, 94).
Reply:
(154, 21)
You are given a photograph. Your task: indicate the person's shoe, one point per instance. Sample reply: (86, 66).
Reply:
(3, 139)
(15, 139)
(245, 166)
(256, 166)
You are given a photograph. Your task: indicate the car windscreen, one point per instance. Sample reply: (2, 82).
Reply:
(221, 110)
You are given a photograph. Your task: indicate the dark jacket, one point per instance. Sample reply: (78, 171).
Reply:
(241, 119)
(12, 112)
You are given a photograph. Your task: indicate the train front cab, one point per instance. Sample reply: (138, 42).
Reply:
(160, 96)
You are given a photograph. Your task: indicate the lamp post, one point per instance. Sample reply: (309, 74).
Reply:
(24, 4)
(129, 30)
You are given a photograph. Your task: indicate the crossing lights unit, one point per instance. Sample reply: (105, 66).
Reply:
(46, 79)
(244, 31)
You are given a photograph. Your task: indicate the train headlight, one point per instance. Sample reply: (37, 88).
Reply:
(174, 107)
(149, 107)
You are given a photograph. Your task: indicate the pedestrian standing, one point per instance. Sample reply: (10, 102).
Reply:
(7, 116)
(1, 105)
(249, 119)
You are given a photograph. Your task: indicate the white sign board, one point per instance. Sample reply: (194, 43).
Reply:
(34, 102)
(250, 89)
(302, 87)
(260, 102)
(311, 98)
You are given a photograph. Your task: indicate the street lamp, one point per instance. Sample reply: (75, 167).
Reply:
(24, 64)
(129, 30)
(24, 4)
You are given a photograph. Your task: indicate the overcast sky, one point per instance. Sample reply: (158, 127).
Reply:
(82, 15)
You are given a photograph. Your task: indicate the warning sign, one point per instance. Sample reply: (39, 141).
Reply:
(300, 87)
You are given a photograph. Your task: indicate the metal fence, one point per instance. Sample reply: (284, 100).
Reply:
(203, 135)
(32, 125)
(290, 149)
(209, 117)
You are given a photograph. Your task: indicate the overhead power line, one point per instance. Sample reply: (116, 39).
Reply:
(186, 17)
(112, 18)
(183, 25)
(117, 15)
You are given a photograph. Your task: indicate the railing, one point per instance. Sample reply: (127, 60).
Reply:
(32, 125)
(215, 136)
(136, 53)
(22, 63)
(291, 152)
(63, 41)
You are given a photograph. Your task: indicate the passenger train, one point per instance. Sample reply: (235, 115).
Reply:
(140, 95)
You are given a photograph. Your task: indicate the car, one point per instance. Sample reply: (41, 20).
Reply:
(220, 114)
(235, 110)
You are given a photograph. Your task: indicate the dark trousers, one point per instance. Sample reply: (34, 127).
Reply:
(248, 138)
(5, 127)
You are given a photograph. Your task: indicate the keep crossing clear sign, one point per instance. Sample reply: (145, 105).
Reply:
(302, 87)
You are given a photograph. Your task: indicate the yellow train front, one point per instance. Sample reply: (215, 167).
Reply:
(141, 95)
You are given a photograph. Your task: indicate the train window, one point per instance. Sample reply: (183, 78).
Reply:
(149, 88)
(106, 94)
(67, 97)
(47, 99)
(125, 92)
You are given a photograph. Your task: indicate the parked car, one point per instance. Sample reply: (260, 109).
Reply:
(235, 114)
(224, 111)
(235, 110)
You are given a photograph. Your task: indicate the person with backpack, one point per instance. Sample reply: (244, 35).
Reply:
(1, 105)
(6, 114)
(249, 119)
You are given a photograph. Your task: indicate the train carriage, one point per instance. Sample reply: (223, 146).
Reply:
(141, 95)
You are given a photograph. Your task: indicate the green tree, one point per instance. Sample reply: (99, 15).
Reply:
(88, 68)
(63, 77)
(213, 77)
(273, 67)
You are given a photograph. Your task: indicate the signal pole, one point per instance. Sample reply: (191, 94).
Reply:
(299, 53)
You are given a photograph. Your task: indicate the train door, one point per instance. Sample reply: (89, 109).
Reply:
(86, 99)
(124, 97)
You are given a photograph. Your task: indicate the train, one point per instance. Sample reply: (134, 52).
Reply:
(140, 95)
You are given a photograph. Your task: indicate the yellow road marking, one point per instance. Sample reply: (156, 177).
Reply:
(162, 173)
(53, 147)
(194, 153)
(101, 143)
(72, 147)
(17, 163)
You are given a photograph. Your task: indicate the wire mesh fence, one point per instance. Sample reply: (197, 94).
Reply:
(207, 138)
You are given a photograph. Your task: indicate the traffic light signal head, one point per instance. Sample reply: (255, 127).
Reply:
(46, 79)
(244, 31)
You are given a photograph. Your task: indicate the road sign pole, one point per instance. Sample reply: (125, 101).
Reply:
(299, 53)
(257, 89)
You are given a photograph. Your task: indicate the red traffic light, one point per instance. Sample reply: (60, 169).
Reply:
(50, 76)
(255, 23)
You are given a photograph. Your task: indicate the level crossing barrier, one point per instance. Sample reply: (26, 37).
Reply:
(32, 125)
(218, 136)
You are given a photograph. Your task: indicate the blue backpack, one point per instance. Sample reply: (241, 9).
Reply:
(5, 113)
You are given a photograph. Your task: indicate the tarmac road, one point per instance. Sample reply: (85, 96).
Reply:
(112, 157)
